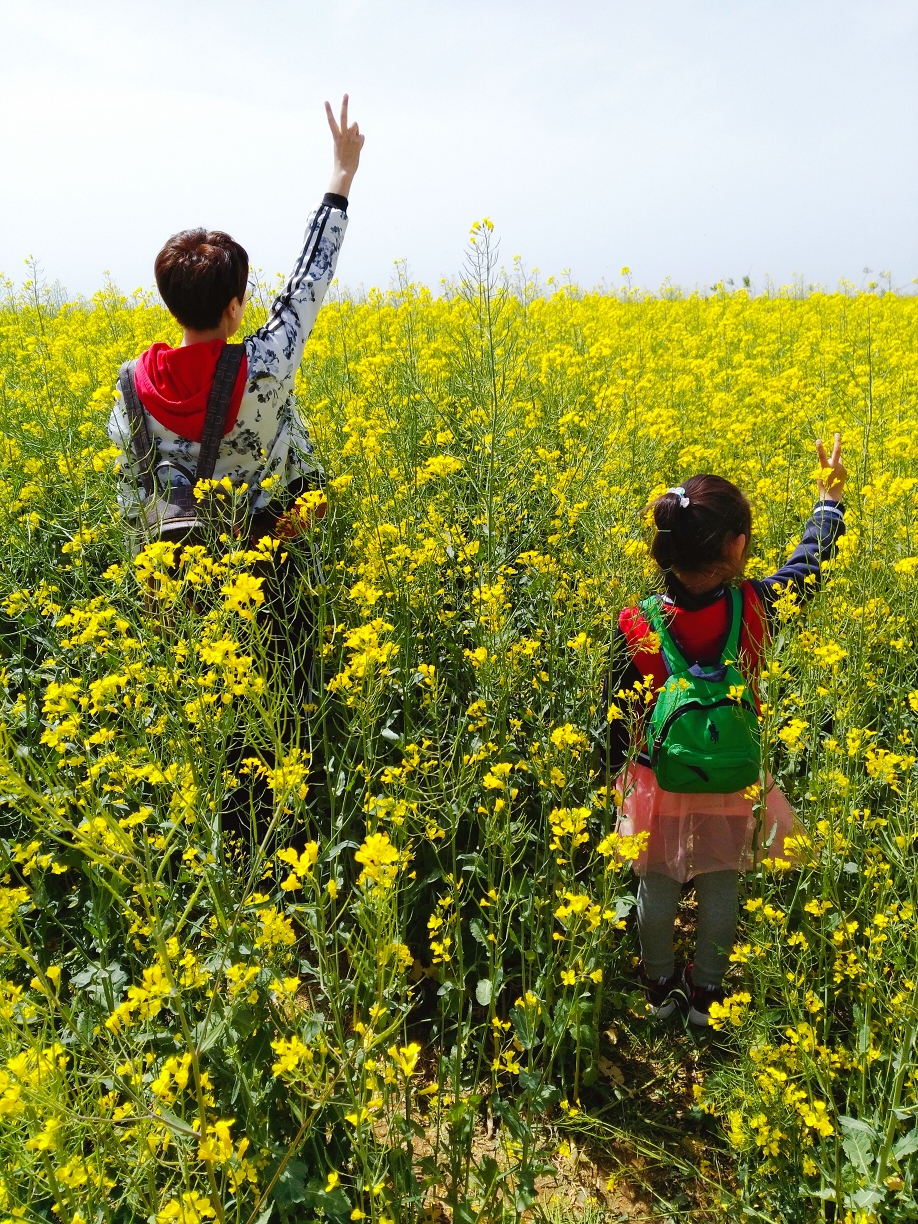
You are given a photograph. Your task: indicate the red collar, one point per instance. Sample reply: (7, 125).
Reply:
(174, 385)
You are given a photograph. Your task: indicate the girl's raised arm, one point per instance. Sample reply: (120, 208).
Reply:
(803, 570)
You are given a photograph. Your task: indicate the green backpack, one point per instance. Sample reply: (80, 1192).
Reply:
(700, 740)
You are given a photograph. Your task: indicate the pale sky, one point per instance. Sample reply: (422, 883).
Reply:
(691, 139)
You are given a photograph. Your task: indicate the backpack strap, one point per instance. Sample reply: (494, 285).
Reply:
(141, 443)
(734, 626)
(217, 407)
(673, 657)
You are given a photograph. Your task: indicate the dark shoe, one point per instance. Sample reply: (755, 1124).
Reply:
(700, 999)
(660, 993)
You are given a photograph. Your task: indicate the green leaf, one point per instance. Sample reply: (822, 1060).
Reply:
(906, 1145)
(339, 848)
(483, 992)
(488, 1172)
(291, 1185)
(858, 1147)
(207, 1038)
(543, 1096)
(174, 1122)
(624, 905)
(525, 1190)
(335, 1204)
(866, 1198)
(525, 1027)
(103, 985)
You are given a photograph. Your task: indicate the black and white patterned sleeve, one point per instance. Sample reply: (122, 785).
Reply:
(119, 434)
(275, 351)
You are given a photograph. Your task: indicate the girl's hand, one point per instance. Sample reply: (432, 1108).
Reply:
(832, 484)
(348, 143)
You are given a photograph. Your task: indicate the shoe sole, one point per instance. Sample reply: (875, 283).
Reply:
(664, 1011)
(702, 1019)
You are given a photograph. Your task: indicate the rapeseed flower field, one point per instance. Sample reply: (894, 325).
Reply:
(360, 948)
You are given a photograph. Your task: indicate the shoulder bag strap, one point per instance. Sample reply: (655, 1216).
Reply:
(673, 657)
(217, 407)
(141, 442)
(734, 626)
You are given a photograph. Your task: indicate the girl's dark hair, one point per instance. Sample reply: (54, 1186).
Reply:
(198, 273)
(691, 538)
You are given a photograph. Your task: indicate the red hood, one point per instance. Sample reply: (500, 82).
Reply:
(174, 384)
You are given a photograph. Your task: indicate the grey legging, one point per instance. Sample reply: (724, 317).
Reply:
(657, 902)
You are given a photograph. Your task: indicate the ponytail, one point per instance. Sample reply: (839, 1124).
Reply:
(694, 523)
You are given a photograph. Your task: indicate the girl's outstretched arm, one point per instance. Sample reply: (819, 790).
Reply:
(803, 571)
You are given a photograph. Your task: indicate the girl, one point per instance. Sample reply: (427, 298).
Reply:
(701, 544)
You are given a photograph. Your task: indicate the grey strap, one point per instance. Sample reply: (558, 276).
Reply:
(217, 407)
(141, 442)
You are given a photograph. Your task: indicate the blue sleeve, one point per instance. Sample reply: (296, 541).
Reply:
(818, 544)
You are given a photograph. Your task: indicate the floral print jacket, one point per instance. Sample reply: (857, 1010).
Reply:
(269, 438)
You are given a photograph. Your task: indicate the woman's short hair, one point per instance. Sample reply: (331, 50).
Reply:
(198, 273)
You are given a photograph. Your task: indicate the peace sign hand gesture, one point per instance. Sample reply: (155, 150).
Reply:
(831, 484)
(348, 143)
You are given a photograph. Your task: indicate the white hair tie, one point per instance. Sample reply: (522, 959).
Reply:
(680, 493)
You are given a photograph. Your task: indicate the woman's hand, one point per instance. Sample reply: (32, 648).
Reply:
(348, 143)
(832, 483)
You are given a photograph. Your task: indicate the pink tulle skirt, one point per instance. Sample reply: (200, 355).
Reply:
(694, 834)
